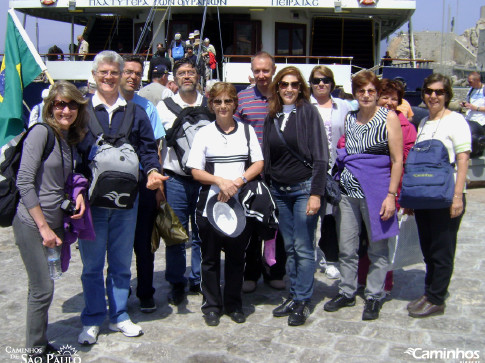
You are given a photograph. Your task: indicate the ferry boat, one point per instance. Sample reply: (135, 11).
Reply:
(345, 34)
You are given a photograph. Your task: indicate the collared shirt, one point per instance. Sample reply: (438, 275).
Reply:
(170, 161)
(120, 101)
(152, 113)
(252, 109)
(476, 96)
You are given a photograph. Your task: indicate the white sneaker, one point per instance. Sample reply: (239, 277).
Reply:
(89, 335)
(332, 272)
(323, 263)
(127, 327)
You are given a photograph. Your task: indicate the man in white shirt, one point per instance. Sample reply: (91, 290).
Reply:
(181, 189)
(475, 99)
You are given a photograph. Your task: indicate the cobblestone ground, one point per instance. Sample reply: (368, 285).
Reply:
(179, 334)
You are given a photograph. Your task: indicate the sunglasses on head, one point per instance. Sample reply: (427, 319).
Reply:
(439, 91)
(284, 85)
(325, 80)
(60, 105)
(228, 101)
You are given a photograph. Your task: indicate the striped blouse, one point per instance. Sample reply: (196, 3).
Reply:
(370, 138)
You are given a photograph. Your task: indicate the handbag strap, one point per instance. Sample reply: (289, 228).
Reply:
(292, 152)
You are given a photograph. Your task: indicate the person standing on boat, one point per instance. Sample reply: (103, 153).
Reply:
(148, 199)
(176, 50)
(83, 48)
(475, 99)
(113, 227)
(252, 109)
(160, 57)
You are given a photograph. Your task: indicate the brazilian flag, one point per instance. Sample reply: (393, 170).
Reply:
(21, 65)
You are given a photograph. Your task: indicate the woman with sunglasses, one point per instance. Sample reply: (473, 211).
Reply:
(295, 164)
(370, 168)
(438, 228)
(220, 160)
(390, 97)
(38, 223)
(332, 111)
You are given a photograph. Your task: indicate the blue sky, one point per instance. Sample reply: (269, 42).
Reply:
(428, 16)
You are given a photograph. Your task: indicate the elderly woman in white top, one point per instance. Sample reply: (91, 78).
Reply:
(333, 112)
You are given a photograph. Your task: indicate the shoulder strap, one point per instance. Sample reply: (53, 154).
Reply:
(128, 118)
(172, 106)
(94, 124)
(51, 140)
(248, 138)
(292, 152)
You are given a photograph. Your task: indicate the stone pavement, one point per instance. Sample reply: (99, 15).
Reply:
(179, 334)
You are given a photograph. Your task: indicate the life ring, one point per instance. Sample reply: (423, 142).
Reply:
(368, 2)
(48, 2)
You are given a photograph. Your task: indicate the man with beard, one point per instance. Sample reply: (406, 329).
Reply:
(181, 189)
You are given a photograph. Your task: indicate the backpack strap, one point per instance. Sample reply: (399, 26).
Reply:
(248, 138)
(51, 139)
(172, 106)
(126, 124)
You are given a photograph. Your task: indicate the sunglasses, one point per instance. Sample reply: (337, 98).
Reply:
(228, 101)
(60, 105)
(325, 80)
(284, 85)
(439, 91)
(371, 92)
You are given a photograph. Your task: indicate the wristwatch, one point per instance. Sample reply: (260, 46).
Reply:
(245, 181)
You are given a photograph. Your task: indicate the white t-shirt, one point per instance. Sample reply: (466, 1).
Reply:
(222, 154)
(477, 98)
(452, 130)
(169, 157)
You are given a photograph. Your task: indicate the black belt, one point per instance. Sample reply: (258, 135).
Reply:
(175, 175)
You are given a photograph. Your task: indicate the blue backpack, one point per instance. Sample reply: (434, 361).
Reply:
(178, 51)
(428, 181)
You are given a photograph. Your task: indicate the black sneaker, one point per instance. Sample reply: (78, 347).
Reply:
(371, 309)
(177, 295)
(237, 316)
(284, 309)
(212, 318)
(339, 301)
(299, 314)
(147, 306)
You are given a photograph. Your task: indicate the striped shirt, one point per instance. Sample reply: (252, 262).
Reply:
(370, 138)
(252, 109)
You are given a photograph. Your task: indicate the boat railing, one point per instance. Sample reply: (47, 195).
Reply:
(408, 62)
(290, 59)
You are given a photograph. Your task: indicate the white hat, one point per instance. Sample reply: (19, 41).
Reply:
(227, 218)
(196, 32)
(177, 36)
(191, 36)
(206, 40)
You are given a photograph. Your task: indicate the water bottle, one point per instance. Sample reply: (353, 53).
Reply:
(54, 262)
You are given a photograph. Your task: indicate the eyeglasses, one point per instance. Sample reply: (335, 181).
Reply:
(285, 85)
(105, 73)
(371, 92)
(439, 91)
(129, 72)
(228, 101)
(186, 74)
(60, 105)
(325, 80)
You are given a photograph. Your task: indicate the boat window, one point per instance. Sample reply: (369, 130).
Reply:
(290, 40)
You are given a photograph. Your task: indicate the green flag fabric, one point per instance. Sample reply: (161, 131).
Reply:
(20, 66)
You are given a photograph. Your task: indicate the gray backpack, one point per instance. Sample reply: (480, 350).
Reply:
(114, 164)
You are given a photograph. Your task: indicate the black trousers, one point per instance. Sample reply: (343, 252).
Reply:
(255, 264)
(437, 236)
(328, 241)
(212, 243)
(147, 212)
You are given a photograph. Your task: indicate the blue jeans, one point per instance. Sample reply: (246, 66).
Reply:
(115, 233)
(298, 232)
(182, 194)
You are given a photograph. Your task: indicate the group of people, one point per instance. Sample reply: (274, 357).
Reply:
(298, 135)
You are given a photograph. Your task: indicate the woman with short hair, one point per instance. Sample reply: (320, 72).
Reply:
(222, 159)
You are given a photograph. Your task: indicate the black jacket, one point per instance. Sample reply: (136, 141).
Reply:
(312, 144)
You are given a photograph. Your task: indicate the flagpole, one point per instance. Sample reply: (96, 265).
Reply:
(49, 78)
